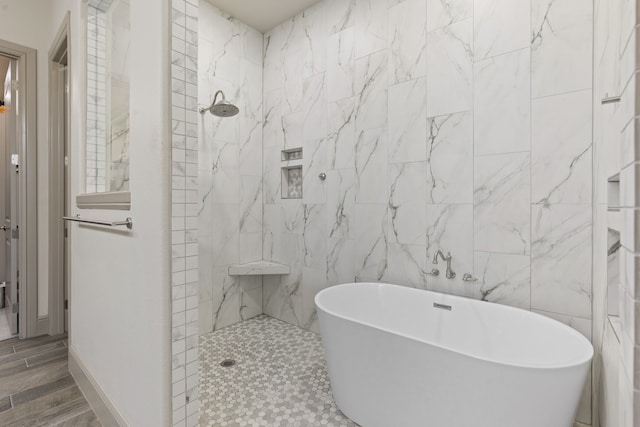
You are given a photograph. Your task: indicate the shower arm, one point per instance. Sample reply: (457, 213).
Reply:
(215, 98)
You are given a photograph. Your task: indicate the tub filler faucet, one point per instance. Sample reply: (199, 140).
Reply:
(450, 273)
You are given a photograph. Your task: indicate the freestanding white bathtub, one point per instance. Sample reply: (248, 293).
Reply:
(403, 357)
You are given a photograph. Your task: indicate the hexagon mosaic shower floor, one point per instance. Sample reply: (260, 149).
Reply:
(279, 379)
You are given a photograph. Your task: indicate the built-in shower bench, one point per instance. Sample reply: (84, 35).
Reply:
(258, 268)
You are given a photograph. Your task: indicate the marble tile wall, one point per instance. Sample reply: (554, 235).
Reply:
(458, 125)
(229, 196)
(185, 207)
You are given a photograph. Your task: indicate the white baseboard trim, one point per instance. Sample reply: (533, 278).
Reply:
(102, 406)
(42, 327)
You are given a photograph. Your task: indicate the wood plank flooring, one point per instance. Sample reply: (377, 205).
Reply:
(36, 388)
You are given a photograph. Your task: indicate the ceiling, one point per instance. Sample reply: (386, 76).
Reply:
(263, 15)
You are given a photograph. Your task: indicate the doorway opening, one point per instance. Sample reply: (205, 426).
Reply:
(9, 322)
(18, 193)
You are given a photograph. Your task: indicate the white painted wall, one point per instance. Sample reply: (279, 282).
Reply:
(26, 22)
(120, 309)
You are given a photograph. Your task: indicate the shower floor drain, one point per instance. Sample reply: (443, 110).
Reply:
(227, 363)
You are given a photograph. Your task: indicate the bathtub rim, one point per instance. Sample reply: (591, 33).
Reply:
(557, 366)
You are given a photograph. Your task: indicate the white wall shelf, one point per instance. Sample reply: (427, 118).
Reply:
(258, 268)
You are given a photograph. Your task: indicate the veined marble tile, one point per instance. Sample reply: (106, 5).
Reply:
(618, 261)
(341, 65)
(272, 233)
(293, 216)
(561, 259)
(250, 148)
(341, 14)
(561, 149)
(224, 169)
(272, 176)
(372, 248)
(407, 121)
(501, 26)
(292, 82)
(371, 91)
(272, 133)
(251, 90)
(278, 302)
(450, 69)
(226, 235)
(227, 50)
(250, 247)
(441, 13)
(205, 317)
(450, 159)
(372, 167)
(313, 282)
(561, 46)
(502, 220)
(206, 13)
(502, 104)
(407, 203)
(406, 40)
(341, 261)
(315, 236)
(290, 35)
(314, 40)
(252, 44)
(341, 136)
(231, 303)
(282, 295)
(293, 127)
(503, 279)
(251, 204)
(406, 265)
(341, 198)
(315, 107)
(273, 60)
(450, 229)
(371, 27)
(314, 163)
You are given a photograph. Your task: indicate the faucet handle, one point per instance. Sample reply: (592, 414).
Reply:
(435, 272)
(467, 277)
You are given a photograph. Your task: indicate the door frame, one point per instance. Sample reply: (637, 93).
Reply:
(58, 188)
(27, 225)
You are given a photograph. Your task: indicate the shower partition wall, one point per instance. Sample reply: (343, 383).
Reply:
(184, 218)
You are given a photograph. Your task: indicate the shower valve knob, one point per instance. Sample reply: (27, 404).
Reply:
(322, 176)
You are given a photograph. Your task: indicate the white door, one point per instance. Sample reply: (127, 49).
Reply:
(11, 197)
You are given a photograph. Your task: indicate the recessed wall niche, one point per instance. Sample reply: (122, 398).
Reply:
(292, 173)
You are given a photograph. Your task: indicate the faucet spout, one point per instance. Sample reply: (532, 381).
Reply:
(450, 273)
(439, 254)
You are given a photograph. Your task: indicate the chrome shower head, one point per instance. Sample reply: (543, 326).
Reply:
(221, 108)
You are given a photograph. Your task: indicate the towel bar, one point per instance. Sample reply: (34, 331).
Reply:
(127, 222)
